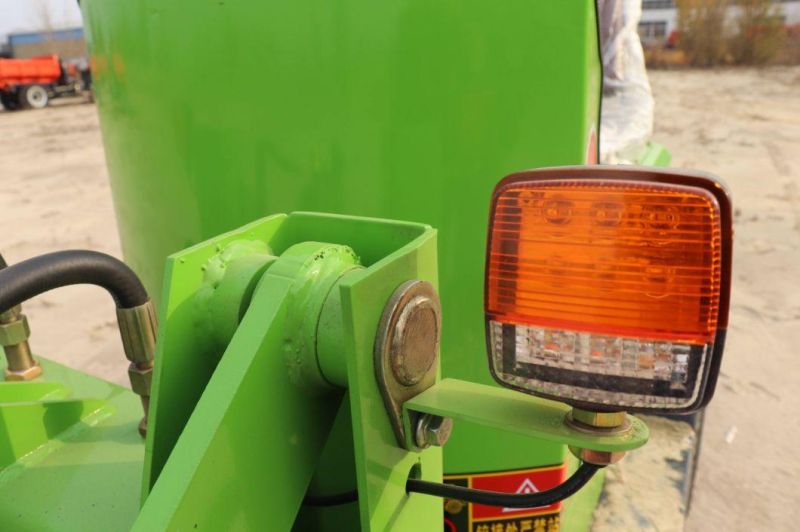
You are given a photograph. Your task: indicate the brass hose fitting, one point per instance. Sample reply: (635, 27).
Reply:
(14, 334)
(135, 313)
(138, 327)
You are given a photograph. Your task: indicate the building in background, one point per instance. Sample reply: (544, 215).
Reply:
(68, 44)
(659, 20)
(659, 23)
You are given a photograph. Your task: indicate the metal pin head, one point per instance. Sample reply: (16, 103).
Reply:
(432, 430)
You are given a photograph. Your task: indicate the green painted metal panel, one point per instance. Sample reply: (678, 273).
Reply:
(655, 155)
(188, 350)
(217, 113)
(81, 466)
(382, 467)
(409, 111)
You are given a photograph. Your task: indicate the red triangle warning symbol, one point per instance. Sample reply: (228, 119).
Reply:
(527, 486)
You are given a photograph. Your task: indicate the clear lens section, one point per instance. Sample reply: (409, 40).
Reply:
(596, 368)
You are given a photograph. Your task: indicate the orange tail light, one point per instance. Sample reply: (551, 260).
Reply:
(608, 287)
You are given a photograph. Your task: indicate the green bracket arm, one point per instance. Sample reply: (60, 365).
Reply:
(235, 436)
(250, 447)
(515, 412)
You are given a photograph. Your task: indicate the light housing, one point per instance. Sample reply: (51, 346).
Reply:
(608, 287)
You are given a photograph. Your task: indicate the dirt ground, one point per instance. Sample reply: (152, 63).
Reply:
(54, 195)
(743, 125)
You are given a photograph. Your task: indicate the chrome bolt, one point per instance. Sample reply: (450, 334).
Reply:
(432, 430)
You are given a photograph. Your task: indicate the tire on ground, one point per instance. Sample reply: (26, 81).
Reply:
(9, 101)
(33, 97)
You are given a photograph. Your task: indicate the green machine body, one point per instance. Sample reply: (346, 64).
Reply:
(214, 114)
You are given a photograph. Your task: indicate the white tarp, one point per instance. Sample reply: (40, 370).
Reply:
(626, 122)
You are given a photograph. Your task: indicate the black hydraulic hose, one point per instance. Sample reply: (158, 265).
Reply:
(507, 500)
(489, 498)
(32, 277)
(331, 500)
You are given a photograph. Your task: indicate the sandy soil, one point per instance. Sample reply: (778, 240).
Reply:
(743, 125)
(54, 195)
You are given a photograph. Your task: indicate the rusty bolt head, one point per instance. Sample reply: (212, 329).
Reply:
(432, 430)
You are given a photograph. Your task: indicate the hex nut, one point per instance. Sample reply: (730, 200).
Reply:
(432, 430)
(601, 458)
(15, 332)
(141, 379)
(22, 375)
(598, 419)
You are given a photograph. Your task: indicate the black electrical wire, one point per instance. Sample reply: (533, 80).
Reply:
(507, 500)
(489, 498)
(24, 280)
(331, 500)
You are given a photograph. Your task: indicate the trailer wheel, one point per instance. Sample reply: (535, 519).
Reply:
(9, 101)
(34, 97)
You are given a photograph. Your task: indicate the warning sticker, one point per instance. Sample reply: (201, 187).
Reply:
(461, 517)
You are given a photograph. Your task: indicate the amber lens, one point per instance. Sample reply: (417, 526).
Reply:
(611, 257)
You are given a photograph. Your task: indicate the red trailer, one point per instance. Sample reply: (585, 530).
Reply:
(32, 83)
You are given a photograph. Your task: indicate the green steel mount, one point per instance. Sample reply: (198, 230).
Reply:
(244, 407)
